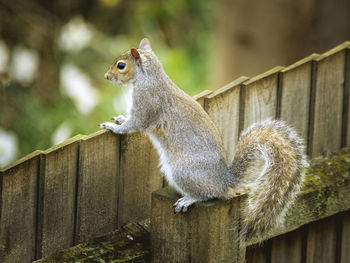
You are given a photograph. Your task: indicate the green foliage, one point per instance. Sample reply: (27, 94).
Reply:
(180, 35)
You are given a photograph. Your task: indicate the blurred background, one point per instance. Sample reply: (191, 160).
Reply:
(53, 54)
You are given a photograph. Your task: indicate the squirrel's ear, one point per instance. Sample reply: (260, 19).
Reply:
(145, 45)
(135, 53)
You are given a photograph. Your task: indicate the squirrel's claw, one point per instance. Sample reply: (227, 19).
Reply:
(119, 119)
(182, 204)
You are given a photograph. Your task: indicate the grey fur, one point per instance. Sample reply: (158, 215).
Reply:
(192, 156)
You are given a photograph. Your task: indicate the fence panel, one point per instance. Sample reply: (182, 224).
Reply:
(257, 253)
(296, 91)
(223, 107)
(19, 210)
(345, 240)
(58, 170)
(321, 241)
(139, 178)
(261, 97)
(97, 185)
(346, 142)
(287, 248)
(327, 130)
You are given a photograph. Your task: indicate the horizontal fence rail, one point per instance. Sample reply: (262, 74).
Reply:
(90, 185)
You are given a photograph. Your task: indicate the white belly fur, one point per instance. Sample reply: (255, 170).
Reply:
(164, 164)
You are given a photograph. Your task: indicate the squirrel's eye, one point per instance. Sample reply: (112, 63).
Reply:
(121, 65)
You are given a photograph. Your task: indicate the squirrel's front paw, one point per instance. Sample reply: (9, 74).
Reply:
(119, 120)
(182, 204)
(109, 126)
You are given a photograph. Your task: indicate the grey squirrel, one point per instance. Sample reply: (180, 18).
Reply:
(267, 165)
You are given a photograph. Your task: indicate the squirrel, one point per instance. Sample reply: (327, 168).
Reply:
(268, 163)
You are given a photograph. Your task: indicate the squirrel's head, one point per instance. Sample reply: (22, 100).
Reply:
(128, 64)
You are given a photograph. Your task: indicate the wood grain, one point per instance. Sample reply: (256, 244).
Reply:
(140, 177)
(346, 119)
(19, 210)
(296, 82)
(287, 248)
(261, 97)
(223, 107)
(345, 240)
(97, 185)
(256, 254)
(205, 233)
(321, 241)
(200, 97)
(327, 130)
(59, 166)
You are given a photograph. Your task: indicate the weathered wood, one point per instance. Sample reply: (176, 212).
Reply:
(345, 240)
(127, 244)
(223, 107)
(19, 210)
(346, 117)
(321, 241)
(287, 248)
(261, 97)
(59, 166)
(256, 254)
(97, 185)
(296, 83)
(205, 233)
(139, 178)
(200, 97)
(327, 130)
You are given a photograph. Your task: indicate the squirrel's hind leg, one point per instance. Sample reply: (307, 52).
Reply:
(182, 204)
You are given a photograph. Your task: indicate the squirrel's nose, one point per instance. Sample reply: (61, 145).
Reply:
(107, 76)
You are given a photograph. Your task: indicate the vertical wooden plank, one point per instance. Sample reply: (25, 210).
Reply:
(346, 123)
(18, 210)
(287, 248)
(97, 185)
(261, 97)
(327, 130)
(223, 107)
(140, 177)
(321, 241)
(208, 232)
(345, 240)
(296, 83)
(200, 97)
(256, 254)
(59, 172)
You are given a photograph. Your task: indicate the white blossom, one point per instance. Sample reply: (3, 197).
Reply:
(78, 87)
(24, 64)
(62, 133)
(8, 147)
(75, 35)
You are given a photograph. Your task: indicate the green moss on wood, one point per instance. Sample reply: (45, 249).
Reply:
(127, 244)
(327, 170)
(326, 191)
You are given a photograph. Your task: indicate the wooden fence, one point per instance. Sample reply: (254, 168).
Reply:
(90, 185)
(316, 229)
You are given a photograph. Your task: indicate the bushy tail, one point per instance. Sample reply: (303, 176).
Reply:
(268, 164)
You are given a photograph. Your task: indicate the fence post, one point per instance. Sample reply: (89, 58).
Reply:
(208, 232)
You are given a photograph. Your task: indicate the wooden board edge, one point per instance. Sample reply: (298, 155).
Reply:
(228, 87)
(266, 74)
(337, 49)
(310, 58)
